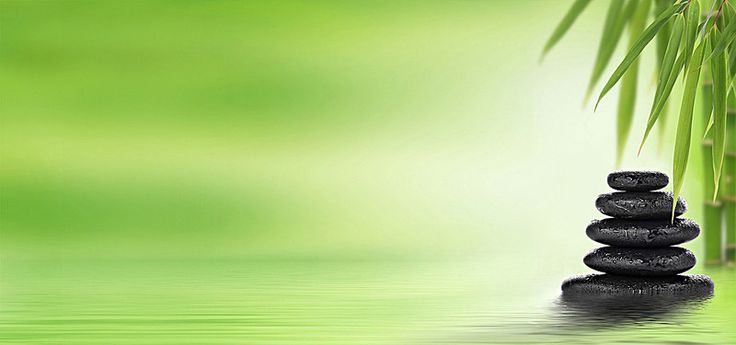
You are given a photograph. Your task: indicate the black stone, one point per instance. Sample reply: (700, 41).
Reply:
(597, 285)
(639, 205)
(640, 261)
(642, 233)
(637, 181)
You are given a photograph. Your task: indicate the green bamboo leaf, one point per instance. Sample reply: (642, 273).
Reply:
(729, 16)
(627, 97)
(709, 125)
(731, 59)
(636, 48)
(659, 104)
(572, 14)
(625, 112)
(729, 12)
(720, 94)
(613, 29)
(667, 67)
(732, 64)
(663, 39)
(661, 126)
(685, 122)
(711, 16)
(692, 20)
(728, 35)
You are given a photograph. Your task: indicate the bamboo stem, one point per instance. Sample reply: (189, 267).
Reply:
(728, 187)
(711, 208)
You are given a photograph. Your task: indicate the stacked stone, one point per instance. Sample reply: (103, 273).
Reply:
(639, 257)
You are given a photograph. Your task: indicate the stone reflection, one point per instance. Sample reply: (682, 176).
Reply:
(602, 300)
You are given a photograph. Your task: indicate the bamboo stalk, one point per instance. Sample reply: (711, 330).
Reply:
(711, 208)
(728, 188)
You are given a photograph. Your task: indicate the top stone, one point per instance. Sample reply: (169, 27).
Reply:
(637, 181)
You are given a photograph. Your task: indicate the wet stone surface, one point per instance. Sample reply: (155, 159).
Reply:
(640, 261)
(639, 205)
(690, 285)
(642, 233)
(637, 181)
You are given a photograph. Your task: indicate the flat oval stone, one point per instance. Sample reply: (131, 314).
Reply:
(639, 205)
(640, 261)
(642, 233)
(687, 285)
(602, 300)
(637, 181)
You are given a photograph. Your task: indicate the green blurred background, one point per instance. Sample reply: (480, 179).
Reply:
(283, 172)
(318, 128)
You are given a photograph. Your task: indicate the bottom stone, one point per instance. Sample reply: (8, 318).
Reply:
(602, 300)
(695, 285)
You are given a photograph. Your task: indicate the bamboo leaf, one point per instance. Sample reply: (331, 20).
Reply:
(710, 18)
(636, 48)
(692, 18)
(685, 122)
(728, 11)
(661, 126)
(618, 16)
(663, 39)
(732, 59)
(732, 65)
(572, 14)
(709, 125)
(659, 104)
(720, 93)
(627, 97)
(625, 112)
(668, 64)
(728, 35)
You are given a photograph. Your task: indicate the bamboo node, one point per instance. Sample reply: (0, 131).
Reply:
(713, 262)
(708, 142)
(731, 246)
(707, 82)
(729, 198)
(712, 203)
(731, 154)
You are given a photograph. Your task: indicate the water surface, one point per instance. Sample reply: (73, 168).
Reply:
(330, 301)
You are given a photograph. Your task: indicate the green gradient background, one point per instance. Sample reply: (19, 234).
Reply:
(300, 132)
(254, 128)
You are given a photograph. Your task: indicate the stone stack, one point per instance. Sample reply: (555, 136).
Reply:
(639, 258)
